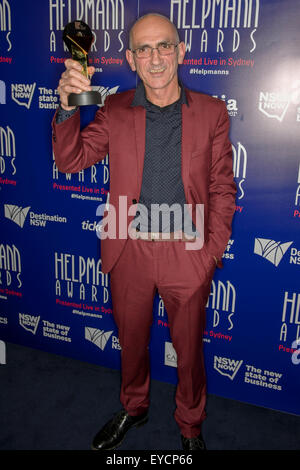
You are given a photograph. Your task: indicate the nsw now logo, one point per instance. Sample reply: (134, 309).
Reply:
(22, 93)
(226, 366)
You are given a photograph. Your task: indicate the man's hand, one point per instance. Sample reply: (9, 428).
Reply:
(73, 81)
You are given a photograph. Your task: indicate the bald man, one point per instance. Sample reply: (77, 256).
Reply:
(168, 147)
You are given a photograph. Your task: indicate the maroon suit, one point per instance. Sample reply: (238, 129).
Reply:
(182, 277)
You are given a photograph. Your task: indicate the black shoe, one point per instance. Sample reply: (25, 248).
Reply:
(113, 432)
(193, 443)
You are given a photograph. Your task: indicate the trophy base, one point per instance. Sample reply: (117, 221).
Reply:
(85, 98)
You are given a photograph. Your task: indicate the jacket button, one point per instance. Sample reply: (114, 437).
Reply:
(134, 201)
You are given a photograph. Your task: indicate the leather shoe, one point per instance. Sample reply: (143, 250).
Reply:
(114, 431)
(193, 443)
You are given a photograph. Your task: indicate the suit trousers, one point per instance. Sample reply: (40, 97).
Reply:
(182, 278)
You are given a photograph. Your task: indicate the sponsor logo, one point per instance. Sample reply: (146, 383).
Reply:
(91, 227)
(16, 214)
(222, 300)
(226, 366)
(5, 27)
(2, 92)
(262, 377)
(22, 93)
(240, 159)
(297, 197)
(106, 18)
(29, 322)
(228, 254)
(56, 331)
(231, 104)
(270, 249)
(296, 351)
(48, 98)
(3, 320)
(105, 91)
(80, 277)
(7, 154)
(273, 104)
(2, 352)
(295, 256)
(215, 21)
(290, 317)
(97, 337)
(170, 355)
(5, 16)
(115, 343)
(11, 267)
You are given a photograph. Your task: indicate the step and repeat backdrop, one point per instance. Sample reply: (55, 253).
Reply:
(53, 294)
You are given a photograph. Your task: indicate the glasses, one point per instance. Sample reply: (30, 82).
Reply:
(163, 48)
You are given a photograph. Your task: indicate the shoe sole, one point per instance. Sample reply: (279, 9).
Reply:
(137, 425)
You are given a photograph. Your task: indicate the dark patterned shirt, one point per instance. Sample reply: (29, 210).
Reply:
(161, 205)
(162, 181)
(62, 114)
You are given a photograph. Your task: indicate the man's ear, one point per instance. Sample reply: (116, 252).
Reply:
(181, 52)
(130, 60)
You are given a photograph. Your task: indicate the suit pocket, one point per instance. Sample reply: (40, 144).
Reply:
(198, 265)
(208, 262)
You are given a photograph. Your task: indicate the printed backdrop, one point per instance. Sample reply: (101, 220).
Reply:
(53, 294)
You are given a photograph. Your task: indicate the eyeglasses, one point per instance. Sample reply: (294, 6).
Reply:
(163, 48)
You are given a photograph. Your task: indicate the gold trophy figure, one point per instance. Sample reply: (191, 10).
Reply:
(79, 38)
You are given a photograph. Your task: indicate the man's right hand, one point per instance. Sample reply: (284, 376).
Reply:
(73, 81)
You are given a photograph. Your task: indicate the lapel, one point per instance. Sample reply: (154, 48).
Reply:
(187, 139)
(140, 140)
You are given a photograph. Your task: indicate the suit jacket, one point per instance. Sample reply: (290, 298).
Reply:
(119, 129)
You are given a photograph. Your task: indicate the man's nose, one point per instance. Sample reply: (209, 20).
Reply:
(155, 57)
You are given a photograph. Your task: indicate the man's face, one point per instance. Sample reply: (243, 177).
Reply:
(156, 71)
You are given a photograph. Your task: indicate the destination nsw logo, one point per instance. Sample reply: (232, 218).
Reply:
(270, 249)
(97, 337)
(18, 214)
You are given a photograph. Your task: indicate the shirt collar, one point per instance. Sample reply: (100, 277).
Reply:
(140, 99)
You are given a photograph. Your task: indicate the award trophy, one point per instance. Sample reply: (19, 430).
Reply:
(79, 38)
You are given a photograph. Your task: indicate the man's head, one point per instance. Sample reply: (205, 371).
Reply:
(157, 71)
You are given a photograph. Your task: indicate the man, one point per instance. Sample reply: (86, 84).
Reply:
(167, 145)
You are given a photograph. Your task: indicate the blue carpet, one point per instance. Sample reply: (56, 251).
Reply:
(50, 402)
